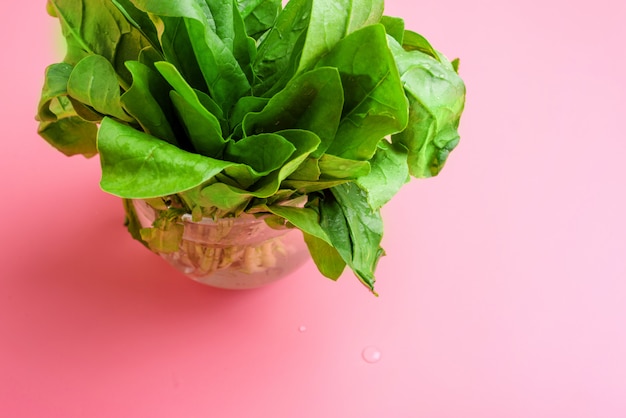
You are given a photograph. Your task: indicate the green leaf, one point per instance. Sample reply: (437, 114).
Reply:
(193, 9)
(176, 79)
(148, 56)
(79, 18)
(305, 219)
(305, 142)
(129, 48)
(148, 102)
(309, 170)
(263, 153)
(374, 102)
(326, 257)
(133, 224)
(166, 232)
(209, 104)
(333, 20)
(333, 222)
(84, 111)
(224, 197)
(455, 65)
(136, 165)
(354, 229)
(273, 62)
(68, 133)
(140, 20)
(203, 130)
(209, 143)
(388, 174)
(225, 79)
(308, 186)
(394, 26)
(257, 155)
(259, 15)
(267, 186)
(94, 82)
(312, 101)
(55, 85)
(436, 99)
(415, 42)
(230, 28)
(245, 105)
(333, 167)
(178, 50)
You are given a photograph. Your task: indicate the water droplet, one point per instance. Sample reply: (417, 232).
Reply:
(302, 328)
(371, 354)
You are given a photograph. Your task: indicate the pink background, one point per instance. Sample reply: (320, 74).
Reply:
(503, 293)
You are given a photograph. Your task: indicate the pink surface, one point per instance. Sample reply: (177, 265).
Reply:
(503, 293)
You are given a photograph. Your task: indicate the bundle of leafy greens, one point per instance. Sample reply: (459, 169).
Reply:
(220, 107)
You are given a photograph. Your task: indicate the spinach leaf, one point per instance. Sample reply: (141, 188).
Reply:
(148, 56)
(412, 41)
(333, 20)
(226, 198)
(389, 173)
(277, 50)
(231, 199)
(305, 219)
(213, 108)
(79, 17)
(140, 20)
(68, 132)
(193, 9)
(203, 131)
(258, 15)
(61, 125)
(209, 143)
(257, 155)
(230, 28)
(225, 79)
(129, 48)
(264, 153)
(333, 167)
(55, 85)
(85, 112)
(325, 172)
(310, 186)
(436, 99)
(394, 26)
(334, 223)
(304, 142)
(148, 102)
(309, 170)
(132, 222)
(245, 105)
(312, 101)
(166, 232)
(178, 50)
(354, 229)
(136, 165)
(375, 105)
(94, 82)
(326, 257)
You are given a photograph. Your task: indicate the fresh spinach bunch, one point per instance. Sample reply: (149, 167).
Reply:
(219, 107)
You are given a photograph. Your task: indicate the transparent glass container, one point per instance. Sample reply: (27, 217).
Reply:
(232, 253)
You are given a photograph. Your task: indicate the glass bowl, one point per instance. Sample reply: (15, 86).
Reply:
(232, 253)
